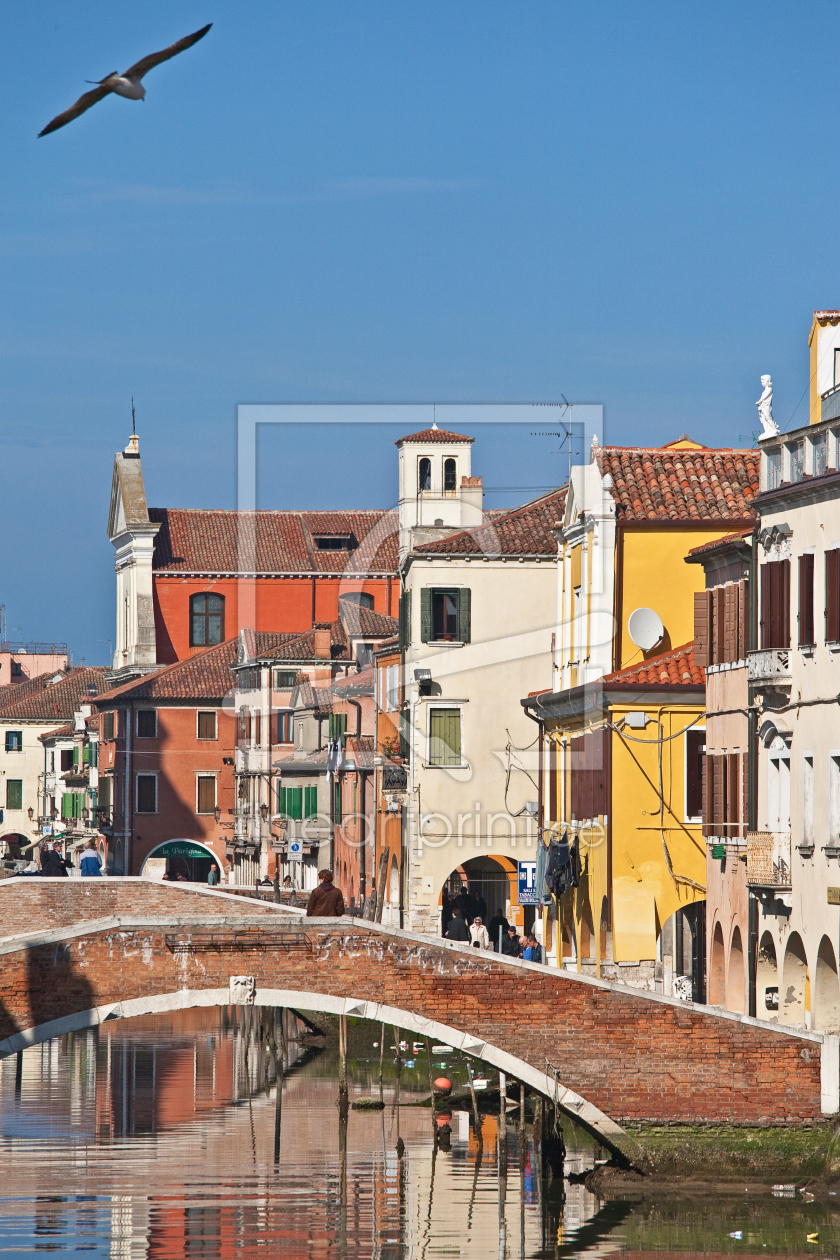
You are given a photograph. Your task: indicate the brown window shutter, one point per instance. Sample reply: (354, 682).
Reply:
(733, 796)
(806, 601)
(745, 794)
(719, 621)
(718, 798)
(730, 631)
(784, 596)
(708, 794)
(701, 629)
(765, 615)
(743, 619)
(832, 596)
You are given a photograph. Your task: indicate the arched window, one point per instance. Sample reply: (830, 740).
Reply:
(425, 474)
(362, 598)
(207, 620)
(449, 474)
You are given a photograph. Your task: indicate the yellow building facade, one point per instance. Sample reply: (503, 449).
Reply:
(622, 725)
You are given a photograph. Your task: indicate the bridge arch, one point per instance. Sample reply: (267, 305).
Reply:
(584, 1113)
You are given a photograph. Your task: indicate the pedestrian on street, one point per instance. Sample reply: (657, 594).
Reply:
(457, 930)
(497, 922)
(213, 875)
(54, 864)
(479, 934)
(510, 944)
(326, 900)
(534, 952)
(90, 866)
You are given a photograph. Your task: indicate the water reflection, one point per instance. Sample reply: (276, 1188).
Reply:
(167, 1137)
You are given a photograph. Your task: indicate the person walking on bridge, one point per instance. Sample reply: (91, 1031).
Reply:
(90, 866)
(326, 900)
(479, 934)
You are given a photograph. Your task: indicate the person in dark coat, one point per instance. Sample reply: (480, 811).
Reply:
(498, 921)
(326, 900)
(480, 908)
(457, 930)
(53, 863)
(510, 944)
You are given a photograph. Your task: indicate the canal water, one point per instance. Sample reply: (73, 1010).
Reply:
(162, 1137)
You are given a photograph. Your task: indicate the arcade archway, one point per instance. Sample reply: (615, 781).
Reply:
(180, 860)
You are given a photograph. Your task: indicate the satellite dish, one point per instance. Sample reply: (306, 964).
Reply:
(645, 628)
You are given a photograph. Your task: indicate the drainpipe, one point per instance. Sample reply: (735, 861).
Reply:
(361, 828)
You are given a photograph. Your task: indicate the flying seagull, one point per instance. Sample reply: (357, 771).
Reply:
(128, 84)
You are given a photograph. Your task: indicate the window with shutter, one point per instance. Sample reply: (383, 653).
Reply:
(86, 756)
(733, 795)
(75, 756)
(242, 728)
(695, 747)
(294, 802)
(405, 618)
(701, 629)
(206, 793)
(745, 795)
(832, 596)
(719, 624)
(281, 800)
(464, 614)
(105, 785)
(66, 805)
(775, 604)
(284, 726)
(257, 729)
(14, 794)
(708, 794)
(730, 633)
(108, 725)
(207, 724)
(719, 800)
(14, 741)
(146, 794)
(337, 802)
(806, 601)
(338, 725)
(310, 803)
(552, 780)
(146, 723)
(743, 619)
(445, 737)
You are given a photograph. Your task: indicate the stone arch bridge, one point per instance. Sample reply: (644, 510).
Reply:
(78, 952)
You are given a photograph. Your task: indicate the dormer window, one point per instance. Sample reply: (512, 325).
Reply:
(334, 542)
(362, 598)
(425, 474)
(449, 474)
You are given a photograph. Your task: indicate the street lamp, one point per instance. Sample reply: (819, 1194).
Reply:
(217, 814)
(31, 813)
(263, 812)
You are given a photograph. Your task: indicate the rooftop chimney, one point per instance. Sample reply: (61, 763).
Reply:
(323, 644)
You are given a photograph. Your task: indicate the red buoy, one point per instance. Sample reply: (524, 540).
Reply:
(442, 1086)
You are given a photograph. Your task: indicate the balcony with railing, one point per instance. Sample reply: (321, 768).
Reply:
(768, 859)
(769, 665)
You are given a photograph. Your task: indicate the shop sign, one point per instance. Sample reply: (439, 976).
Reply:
(528, 884)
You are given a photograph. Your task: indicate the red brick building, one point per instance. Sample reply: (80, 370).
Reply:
(166, 757)
(191, 578)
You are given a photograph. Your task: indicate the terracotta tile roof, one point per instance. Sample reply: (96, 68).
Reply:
(433, 435)
(302, 647)
(388, 645)
(63, 732)
(60, 699)
(674, 668)
(366, 621)
(205, 676)
(361, 749)
(195, 540)
(13, 692)
(726, 541)
(360, 682)
(524, 531)
(306, 696)
(657, 483)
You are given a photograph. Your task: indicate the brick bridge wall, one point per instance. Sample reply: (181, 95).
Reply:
(636, 1057)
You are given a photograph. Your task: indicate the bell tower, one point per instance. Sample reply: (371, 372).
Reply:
(133, 537)
(438, 494)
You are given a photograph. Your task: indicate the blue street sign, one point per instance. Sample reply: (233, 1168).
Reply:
(527, 884)
(295, 847)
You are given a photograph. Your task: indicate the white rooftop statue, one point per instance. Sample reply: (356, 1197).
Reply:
(765, 410)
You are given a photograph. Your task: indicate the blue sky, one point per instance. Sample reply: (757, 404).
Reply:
(623, 204)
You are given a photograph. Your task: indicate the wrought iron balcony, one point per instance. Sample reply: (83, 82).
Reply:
(394, 778)
(770, 665)
(768, 859)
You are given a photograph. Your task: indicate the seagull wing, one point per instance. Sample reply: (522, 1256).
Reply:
(154, 59)
(84, 102)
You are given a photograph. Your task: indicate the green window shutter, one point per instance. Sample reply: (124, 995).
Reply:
(281, 800)
(464, 614)
(66, 805)
(405, 619)
(294, 797)
(405, 730)
(445, 737)
(86, 755)
(78, 804)
(337, 799)
(75, 754)
(425, 615)
(311, 802)
(14, 793)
